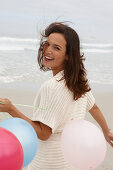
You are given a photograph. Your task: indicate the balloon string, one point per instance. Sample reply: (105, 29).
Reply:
(25, 106)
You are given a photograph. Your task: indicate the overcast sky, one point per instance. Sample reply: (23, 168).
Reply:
(24, 18)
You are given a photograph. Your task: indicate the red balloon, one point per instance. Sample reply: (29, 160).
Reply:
(11, 151)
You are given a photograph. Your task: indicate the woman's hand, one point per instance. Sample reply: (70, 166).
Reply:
(5, 105)
(109, 137)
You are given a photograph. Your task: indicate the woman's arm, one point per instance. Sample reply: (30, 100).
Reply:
(98, 116)
(43, 131)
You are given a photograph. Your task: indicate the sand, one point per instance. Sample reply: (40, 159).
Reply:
(104, 100)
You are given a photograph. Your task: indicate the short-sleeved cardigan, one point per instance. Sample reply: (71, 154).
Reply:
(54, 106)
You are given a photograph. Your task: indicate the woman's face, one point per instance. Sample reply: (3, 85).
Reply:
(54, 52)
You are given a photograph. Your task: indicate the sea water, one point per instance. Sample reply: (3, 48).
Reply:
(19, 66)
(20, 23)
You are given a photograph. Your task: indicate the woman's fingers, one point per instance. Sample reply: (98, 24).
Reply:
(4, 101)
(5, 105)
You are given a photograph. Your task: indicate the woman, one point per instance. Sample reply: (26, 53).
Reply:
(65, 96)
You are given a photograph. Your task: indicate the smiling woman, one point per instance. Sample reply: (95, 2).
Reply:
(65, 96)
(63, 46)
(54, 52)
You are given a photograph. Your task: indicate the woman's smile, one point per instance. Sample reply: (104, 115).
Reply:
(54, 51)
(48, 59)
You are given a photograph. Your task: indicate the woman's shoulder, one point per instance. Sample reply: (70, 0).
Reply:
(48, 84)
(53, 81)
(53, 86)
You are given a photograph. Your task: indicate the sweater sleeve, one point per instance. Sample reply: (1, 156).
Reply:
(90, 100)
(49, 107)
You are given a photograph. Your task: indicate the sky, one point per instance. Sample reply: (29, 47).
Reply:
(93, 20)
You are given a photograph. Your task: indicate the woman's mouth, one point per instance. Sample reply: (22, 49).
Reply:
(48, 59)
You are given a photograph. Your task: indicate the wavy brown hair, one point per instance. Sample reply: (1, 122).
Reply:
(74, 70)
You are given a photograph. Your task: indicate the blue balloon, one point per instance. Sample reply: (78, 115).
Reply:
(25, 134)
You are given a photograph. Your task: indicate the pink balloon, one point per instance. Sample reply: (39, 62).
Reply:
(11, 152)
(83, 144)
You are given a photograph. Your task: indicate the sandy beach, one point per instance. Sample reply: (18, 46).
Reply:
(103, 100)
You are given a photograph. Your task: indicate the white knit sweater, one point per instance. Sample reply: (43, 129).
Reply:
(54, 106)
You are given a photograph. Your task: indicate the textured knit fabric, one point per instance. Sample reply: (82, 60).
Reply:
(54, 106)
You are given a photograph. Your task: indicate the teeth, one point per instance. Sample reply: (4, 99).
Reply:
(48, 57)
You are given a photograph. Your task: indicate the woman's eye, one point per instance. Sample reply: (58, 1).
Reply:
(57, 48)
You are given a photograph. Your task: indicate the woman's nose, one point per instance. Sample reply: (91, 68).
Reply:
(48, 50)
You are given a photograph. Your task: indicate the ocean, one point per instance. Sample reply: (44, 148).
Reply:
(20, 25)
(19, 66)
